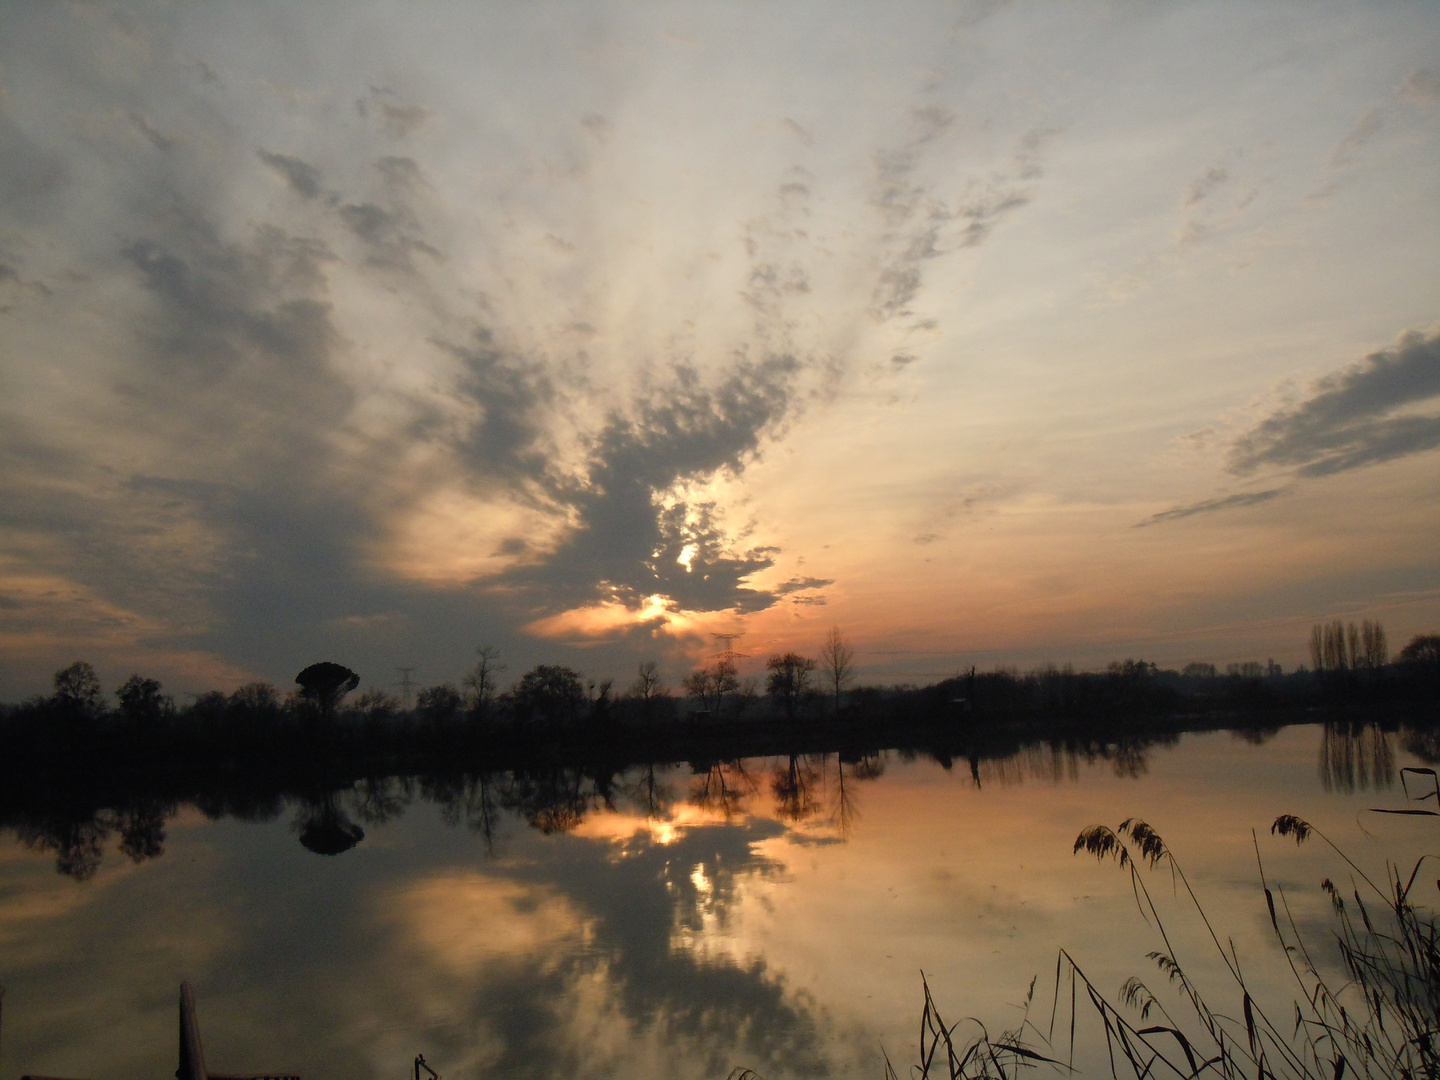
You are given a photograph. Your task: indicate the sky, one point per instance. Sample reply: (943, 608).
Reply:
(989, 333)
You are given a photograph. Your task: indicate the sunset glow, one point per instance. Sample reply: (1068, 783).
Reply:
(992, 334)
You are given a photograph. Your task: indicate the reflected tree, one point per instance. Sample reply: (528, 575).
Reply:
(77, 841)
(325, 828)
(846, 809)
(1356, 757)
(142, 830)
(723, 788)
(651, 795)
(379, 800)
(793, 785)
(551, 800)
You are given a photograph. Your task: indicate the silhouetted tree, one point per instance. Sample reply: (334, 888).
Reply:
(647, 688)
(711, 685)
(256, 697)
(1317, 647)
(324, 685)
(600, 701)
(1423, 650)
(141, 699)
(1336, 647)
(838, 657)
(789, 680)
(439, 705)
(77, 689)
(549, 694)
(482, 682)
(1374, 648)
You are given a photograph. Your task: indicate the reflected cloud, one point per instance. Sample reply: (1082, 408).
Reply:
(459, 918)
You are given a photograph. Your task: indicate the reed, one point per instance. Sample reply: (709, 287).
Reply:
(1374, 1016)
(1377, 1016)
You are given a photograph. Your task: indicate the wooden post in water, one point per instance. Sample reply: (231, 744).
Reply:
(192, 1054)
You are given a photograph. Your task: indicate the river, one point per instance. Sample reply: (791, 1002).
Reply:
(669, 922)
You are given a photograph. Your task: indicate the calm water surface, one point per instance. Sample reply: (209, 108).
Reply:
(775, 914)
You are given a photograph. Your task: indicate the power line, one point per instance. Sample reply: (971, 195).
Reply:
(405, 683)
(727, 653)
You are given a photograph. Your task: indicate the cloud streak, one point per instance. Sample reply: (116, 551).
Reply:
(1208, 506)
(1363, 415)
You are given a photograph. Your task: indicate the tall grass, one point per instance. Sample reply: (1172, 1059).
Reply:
(1370, 1009)
(1374, 1015)
(1377, 1016)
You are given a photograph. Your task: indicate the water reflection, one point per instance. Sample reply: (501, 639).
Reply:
(648, 920)
(793, 785)
(325, 828)
(78, 835)
(723, 788)
(330, 817)
(1356, 757)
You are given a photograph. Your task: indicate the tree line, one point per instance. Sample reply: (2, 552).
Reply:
(795, 690)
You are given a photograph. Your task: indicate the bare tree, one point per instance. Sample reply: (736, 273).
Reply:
(647, 684)
(483, 680)
(77, 689)
(1340, 647)
(789, 680)
(647, 687)
(710, 686)
(1374, 647)
(837, 656)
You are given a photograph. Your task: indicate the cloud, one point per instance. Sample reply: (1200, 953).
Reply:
(800, 589)
(28, 170)
(922, 225)
(635, 534)
(391, 234)
(304, 179)
(399, 121)
(1354, 417)
(1421, 88)
(1203, 187)
(515, 396)
(1365, 129)
(1226, 502)
(156, 138)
